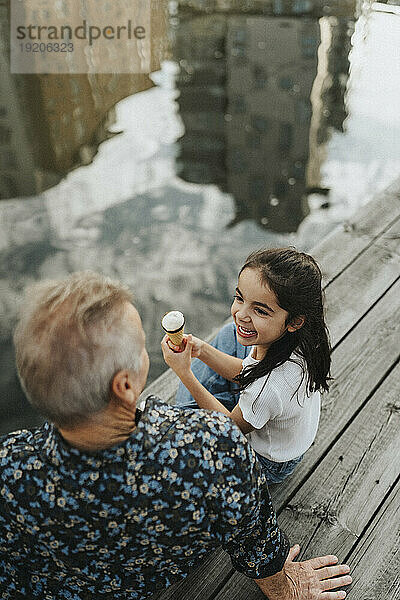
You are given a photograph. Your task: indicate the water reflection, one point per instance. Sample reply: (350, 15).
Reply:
(50, 124)
(259, 97)
(269, 140)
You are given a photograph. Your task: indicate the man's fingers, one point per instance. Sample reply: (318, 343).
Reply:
(293, 552)
(172, 346)
(335, 571)
(333, 595)
(167, 344)
(331, 584)
(322, 561)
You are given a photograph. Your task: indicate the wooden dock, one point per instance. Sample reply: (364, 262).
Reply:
(344, 498)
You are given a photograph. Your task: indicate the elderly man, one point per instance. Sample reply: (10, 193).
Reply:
(102, 501)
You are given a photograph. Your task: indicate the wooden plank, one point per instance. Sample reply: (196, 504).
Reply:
(376, 560)
(340, 497)
(357, 373)
(358, 365)
(331, 510)
(204, 582)
(352, 294)
(164, 386)
(342, 246)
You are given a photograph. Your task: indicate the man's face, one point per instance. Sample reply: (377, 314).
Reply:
(140, 377)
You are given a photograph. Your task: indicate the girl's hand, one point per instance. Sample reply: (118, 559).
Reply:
(197, 345)
(180, 360)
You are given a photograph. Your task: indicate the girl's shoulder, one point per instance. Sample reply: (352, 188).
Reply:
(293, 368)
(292, 372)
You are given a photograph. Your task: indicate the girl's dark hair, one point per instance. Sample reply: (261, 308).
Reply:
(295, 279)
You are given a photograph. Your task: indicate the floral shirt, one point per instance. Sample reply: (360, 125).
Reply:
(126, 522)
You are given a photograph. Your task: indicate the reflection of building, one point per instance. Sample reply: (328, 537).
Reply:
(339, 32)
(248, 130)
(50, 124)
(328, 95)
(203, 99)
(272, 64)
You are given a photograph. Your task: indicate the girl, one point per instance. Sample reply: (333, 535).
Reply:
(276, 350)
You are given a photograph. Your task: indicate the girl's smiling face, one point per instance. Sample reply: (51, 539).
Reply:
(259, 319)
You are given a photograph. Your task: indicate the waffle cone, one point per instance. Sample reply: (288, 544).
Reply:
(177, 337)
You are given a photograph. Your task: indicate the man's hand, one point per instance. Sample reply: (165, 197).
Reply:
(308, 580)
(179, 360)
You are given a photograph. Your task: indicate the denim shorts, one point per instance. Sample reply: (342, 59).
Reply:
(276, 472)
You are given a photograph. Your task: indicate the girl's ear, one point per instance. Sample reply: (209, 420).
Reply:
(296, 323)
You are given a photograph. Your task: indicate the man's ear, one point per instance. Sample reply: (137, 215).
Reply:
(123, 387)
(296, 323)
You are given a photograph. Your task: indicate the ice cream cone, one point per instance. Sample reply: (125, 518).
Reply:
(177, 337)
(173, 324)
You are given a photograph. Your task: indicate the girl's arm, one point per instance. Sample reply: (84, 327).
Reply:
(180, 363)
(206, 400)
(225, 365)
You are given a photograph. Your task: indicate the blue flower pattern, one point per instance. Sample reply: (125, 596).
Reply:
(130, 520)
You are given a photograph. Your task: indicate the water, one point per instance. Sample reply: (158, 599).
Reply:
(261, 130)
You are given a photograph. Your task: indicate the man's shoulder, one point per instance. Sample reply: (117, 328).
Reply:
(19, 445)
(191, 440)
(211, 427)
(18, 438)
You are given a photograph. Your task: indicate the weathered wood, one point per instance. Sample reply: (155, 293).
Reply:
(358, 365)
(376, 560)
(334, 506)
(363, 283)
(341, 495)
(164, 386)
(345, 243)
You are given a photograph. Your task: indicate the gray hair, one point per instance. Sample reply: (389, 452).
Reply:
(72, 337)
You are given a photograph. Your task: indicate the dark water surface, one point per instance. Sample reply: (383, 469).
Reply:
(265, 127)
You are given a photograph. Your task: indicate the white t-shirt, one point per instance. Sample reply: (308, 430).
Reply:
(285, 422)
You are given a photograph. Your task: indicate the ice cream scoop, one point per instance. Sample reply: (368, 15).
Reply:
(173, 324)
